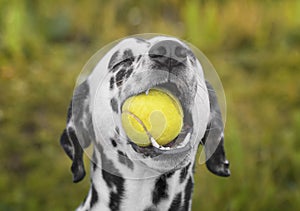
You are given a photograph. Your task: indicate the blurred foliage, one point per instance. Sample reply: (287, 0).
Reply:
(254, 45)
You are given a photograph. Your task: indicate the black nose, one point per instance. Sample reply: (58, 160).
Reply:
(168, 53)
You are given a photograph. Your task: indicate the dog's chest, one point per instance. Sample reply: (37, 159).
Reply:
(171, 191)
(155, 194)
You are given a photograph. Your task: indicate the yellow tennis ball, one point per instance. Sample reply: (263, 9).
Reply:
(156, 113)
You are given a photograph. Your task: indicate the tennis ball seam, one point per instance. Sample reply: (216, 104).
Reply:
(138, 120)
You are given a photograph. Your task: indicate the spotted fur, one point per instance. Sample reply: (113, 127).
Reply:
(125, 176)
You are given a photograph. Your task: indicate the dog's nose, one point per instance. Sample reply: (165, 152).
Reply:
(168, 53)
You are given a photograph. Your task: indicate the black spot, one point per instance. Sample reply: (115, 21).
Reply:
(94, 161)
(114, 105)
(117, 130)
(113, 59)
(107, 163)
(114, 182)
(125, 160)
(77, 167)
(128, 54)
(129, 72)
(111, 83)
(121, 74)
(176, 203)
(94, 166)
(170, 174)
(183, 173)
(188, 193)
(66, 144)
(113, 142)
(114, 203)
(207, 131)
(160, 191)
(113, 179)
(94, 197)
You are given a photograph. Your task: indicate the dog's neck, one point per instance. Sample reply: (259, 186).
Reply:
(112, 191)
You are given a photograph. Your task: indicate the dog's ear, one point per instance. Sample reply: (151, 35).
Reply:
(79, 130)
(213, 139)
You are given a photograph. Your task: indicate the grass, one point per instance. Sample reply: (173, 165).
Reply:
(254, 46)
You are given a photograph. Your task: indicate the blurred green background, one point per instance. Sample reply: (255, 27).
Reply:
(254, 46)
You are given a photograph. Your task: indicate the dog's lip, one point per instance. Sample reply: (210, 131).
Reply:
(152, 151)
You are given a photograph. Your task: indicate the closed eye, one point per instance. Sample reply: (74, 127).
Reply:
(127, 61)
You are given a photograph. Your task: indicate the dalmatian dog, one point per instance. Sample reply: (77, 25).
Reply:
(125, 176)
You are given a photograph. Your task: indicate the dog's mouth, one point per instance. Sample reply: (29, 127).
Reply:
(179, 144)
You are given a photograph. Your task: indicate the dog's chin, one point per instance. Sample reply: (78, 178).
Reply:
(163, 161)
(168, 163)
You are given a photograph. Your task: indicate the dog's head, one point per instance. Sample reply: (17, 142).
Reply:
(134, 66)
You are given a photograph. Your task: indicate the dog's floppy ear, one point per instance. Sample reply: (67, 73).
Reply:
(79, 130)
(213, 139)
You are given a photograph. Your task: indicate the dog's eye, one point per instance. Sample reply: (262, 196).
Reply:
(128, 61)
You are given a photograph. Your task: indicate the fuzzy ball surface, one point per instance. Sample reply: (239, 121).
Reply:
(156, 113)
